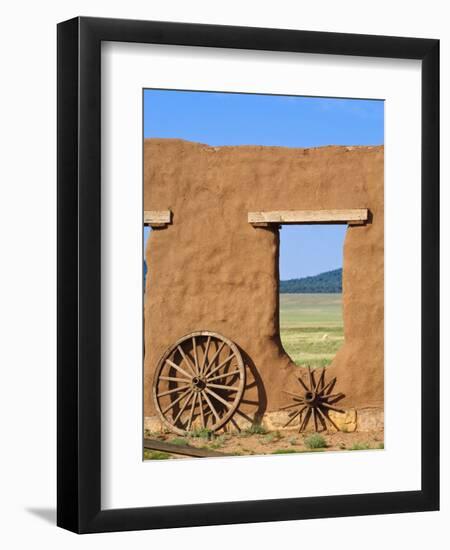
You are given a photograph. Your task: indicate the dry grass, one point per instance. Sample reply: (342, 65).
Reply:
(311, 327)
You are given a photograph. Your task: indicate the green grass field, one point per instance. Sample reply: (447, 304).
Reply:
(311, 327)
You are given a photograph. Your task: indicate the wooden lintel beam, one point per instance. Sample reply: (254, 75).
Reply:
(352, 216)
(157, 218)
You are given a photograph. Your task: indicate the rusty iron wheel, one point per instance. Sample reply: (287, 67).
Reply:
(314, 403)
(199, 382)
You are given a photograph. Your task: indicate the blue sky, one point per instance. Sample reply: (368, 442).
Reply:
(218, 119)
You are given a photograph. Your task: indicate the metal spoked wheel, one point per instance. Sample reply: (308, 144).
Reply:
(199, 382)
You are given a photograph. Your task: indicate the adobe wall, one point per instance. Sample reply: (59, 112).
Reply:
(212, 270)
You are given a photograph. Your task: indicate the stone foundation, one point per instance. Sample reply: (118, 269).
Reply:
(352, 420)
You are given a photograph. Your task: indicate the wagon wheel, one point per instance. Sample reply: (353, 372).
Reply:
(314, 402)
(199, 382)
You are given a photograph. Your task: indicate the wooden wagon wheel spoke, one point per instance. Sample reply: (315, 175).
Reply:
(312, 382)
(224, 375)
(178, 368)
(302, 384)
(191, 414)
(334, 396)
(194, 349)
(294, 395)
(177, 400)
(305, 421)
(217, 396)
(184, 391)
(224, 362)
(299, 412)
(313, 400)
(173, 379)
(315, 419)
(222, 387)
(202, 414)
(187, 361)
(205, 355)
(326, 417)
(292, 405)
(211, 406)
(168, 392)
(327, 406)
(214, 357)
(329, 386)
(320, 382)
(186, 403)
(322, 419)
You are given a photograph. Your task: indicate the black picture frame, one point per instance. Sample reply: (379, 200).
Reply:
(79, 281)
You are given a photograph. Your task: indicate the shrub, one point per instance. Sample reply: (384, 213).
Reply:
(203, 433)
(315, 441)
(258, 429)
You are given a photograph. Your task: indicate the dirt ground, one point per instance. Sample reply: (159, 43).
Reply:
(263, 442)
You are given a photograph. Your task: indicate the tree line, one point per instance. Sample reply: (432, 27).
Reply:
(328, 282)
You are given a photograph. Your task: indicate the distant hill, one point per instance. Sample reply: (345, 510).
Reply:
(328, 282)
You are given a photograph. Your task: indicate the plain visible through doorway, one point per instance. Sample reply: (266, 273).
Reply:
(310, 267)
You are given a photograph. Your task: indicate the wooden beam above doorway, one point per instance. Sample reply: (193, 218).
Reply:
(352, 216)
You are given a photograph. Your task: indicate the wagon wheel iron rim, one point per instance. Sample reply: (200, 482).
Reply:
(314, 403)
(199, 381)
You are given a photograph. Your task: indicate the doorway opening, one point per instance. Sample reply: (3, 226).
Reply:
(310, 292)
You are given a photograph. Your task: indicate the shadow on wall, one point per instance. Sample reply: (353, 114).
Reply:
(253, 405)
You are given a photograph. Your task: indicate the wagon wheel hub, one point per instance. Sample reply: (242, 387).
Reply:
(314, 402)
(310, 398)
(199, 382)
